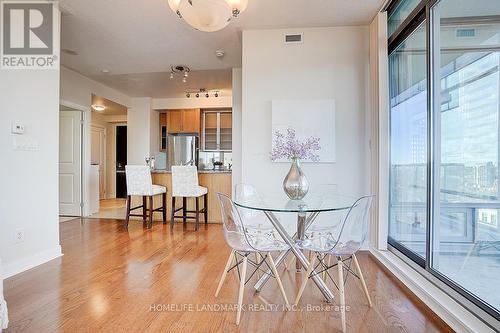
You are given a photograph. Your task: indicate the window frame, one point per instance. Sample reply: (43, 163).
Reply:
(423, 13)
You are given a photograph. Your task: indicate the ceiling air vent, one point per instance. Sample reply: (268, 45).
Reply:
(293, 38)
(466, 32)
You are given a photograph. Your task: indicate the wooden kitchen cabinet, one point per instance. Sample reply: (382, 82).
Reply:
(174, 121)
(191, 121)
(183, 121)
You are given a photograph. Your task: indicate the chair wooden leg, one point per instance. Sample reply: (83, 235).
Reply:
(144, 208)
(341, 292)
(362, 279)
(197, 209)
(275, 272)
(184, 210)
(224, 273)
(257, 260)
(327, 258)
(150, 212)
(172, 213)
(305, 279)
(164, 207)
(205, 206)
(127, 215)
(242, 288)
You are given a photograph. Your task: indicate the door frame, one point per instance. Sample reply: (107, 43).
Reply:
(85, 154)
(103, 152)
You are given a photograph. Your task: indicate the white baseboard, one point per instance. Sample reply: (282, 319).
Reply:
(452, 313)
(23, 264)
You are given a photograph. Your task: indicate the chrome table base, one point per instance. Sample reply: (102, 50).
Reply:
(303, 222)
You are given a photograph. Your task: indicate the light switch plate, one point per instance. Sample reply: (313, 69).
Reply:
(22, 143)
(17, 128)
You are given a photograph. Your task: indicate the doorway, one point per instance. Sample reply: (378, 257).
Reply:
(108, 158)
(121, 161)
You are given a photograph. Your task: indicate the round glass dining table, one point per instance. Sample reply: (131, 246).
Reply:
(307, 211)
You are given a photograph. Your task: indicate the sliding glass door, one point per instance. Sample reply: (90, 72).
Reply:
(466, 231)
(444, 86)
(409, 127)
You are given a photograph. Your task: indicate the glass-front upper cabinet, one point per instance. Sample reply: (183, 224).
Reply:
(217, 131)
(226, 131)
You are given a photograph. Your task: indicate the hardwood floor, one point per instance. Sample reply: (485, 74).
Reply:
(114, 280)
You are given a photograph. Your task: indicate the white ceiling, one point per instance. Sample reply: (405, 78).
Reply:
(138, 37)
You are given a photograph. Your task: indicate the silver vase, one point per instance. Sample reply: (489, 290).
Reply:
(295, 183)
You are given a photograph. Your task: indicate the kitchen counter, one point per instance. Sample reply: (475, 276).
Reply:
(215, 181)
(199, 171)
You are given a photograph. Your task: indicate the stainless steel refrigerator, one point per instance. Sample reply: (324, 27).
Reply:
(182, 149)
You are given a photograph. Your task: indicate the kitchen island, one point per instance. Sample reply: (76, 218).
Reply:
(215, 180)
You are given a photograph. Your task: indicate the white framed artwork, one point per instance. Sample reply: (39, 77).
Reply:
(309, 118)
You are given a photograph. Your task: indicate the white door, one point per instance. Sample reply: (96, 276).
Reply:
(70, 155)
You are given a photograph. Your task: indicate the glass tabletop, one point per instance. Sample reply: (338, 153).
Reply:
(320, 201)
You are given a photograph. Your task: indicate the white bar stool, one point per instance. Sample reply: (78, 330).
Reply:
(139, 183)
(185, 185)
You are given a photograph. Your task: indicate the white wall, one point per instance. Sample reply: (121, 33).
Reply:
(29, 179)
(77, 89)
(192, 103)
(331, 63)
(139, 132)
(236, 174)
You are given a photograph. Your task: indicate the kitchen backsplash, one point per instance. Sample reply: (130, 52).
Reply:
(205, 159)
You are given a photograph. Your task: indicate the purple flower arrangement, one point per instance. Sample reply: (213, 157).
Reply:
(287, 146)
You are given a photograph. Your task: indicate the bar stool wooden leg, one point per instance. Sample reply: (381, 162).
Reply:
(184, 210)
(205, 206)
(172, 213)
(144, 208)
(197, 225)
(127, 216)
(164, 207)
(150, 212)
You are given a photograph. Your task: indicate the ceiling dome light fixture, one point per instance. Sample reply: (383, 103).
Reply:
(99, 108)
(208, 15)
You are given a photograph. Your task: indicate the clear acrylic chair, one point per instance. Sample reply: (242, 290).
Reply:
(255, 220)
(342, 241)
(243, 242)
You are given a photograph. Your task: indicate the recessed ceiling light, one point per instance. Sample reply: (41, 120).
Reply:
(105, 71)
(98, 108)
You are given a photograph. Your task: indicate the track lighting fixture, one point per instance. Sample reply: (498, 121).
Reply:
(202, 92)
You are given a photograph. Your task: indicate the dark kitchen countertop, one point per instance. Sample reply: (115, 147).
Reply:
(199, 171)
